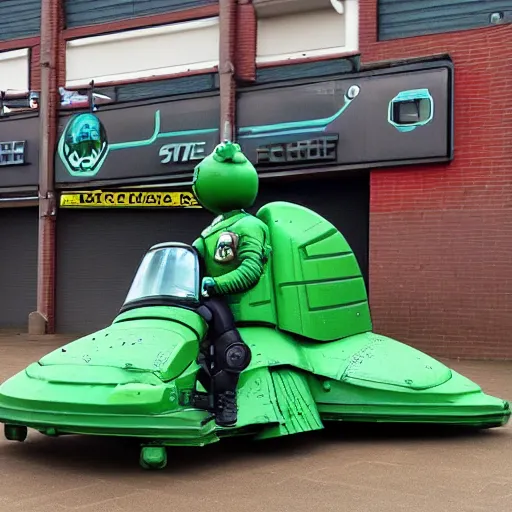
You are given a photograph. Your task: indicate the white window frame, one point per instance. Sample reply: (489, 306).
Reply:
(22, 54)
(349, 9)
(140, 34)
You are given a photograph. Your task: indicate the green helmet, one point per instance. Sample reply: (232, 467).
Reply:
(225, 180)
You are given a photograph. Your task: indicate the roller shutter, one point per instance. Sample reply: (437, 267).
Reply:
(18, 266)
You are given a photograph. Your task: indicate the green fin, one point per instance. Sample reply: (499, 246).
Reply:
(295, 403)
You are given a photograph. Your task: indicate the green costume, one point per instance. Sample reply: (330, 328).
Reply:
(234, 249)
(235, 246)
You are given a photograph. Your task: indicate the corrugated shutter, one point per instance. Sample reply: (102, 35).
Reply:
(306, 70)
(89, 12)
(99, 250)
(19, 18)
(162, 88)
(18, 266)
(408, 18)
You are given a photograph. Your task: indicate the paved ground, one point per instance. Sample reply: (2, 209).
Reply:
(370, 470)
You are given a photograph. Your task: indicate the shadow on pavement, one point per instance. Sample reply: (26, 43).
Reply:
(101, 455)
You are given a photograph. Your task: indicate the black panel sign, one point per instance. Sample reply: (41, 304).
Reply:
(382, 119)
(391, 116)
(19, 151)
(137, 141)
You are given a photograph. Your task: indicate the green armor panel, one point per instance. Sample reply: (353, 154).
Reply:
(319, 289)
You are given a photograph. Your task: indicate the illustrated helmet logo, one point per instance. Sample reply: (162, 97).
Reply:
(83, 145)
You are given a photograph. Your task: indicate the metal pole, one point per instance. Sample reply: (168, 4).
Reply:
(227, 84)
(42, 320)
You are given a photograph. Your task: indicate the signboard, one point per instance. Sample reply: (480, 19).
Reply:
(386, 117)
(390, 116)
(137, 141)
(128, 199)
(19, 151)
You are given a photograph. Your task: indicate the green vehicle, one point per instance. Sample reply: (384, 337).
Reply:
(314, 357)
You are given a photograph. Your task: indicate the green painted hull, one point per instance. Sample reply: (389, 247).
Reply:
(290, 387)
(316, 362)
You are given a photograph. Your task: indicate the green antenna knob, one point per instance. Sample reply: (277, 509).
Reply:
(228, 151)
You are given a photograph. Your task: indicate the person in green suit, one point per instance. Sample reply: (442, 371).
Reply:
(234, 248)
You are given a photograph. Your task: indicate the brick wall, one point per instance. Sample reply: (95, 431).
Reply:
(441, 236)
(246, 34)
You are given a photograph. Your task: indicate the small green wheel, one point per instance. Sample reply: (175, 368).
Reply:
(15, 433)
(153, 457)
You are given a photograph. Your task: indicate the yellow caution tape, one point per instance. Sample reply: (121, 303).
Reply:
(101, 199)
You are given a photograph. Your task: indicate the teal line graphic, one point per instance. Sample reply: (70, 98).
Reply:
(295, 127)
(406, 96)
(286, 132)
(157, 135)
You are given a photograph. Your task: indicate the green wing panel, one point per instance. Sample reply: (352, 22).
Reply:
(295, 403)
(162, 340)
(318, 286)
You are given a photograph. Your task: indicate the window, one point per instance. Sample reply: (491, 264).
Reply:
(298, 30)
(12, 153)
(142, 53)
(166, 272)
(14, 70)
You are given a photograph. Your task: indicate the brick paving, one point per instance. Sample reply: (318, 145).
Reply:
(350, 469)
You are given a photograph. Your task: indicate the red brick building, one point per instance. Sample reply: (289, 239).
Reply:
(433, 239)
(441, 236)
